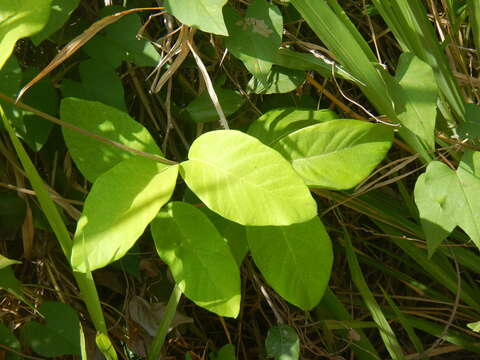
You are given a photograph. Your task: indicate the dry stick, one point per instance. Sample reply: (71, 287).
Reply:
(208, 83)
(74, 45)
(33, 193)
(86, 133)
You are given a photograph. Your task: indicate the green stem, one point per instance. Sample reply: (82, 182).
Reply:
(170, 311)
(85, 281)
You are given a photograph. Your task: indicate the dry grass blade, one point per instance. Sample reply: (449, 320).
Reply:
(73, 46)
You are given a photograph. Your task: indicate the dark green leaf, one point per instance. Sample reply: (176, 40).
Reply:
(280, 80)
(8, 339)
(201, 109)
(282, 343)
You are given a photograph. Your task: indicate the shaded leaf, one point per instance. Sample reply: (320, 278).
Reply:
(99, 83)
(8, 339)
(198, 257)
(60, 11)
(336, 154)
(12, 213)
(226, 352)
(60, 335)
(255, 39)
(4, 262)
(118, 42)
(295, 260)
(201, 109)
(280, 80)
(10, 81)
(203, 14)
(19, 19)
(245, 181)
(92, 157)
(120, 205)
(277, 123)
(282, 343)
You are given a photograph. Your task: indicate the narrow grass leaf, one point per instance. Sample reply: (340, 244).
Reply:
(295, 260)
(245, 181)
(120, 205)
(198, 257)
(336, 154)
(386, 332)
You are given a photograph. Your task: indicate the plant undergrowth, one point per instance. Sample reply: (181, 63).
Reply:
(213, 179)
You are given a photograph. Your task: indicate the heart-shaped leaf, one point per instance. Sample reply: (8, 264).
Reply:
(199, 258)
(203, 14)
(295, 260)
(336, 154)
(19, 19)
(282, 343)
(120, 205)
(8, 339)
(245, 181)
(60, 335)
(92, 157)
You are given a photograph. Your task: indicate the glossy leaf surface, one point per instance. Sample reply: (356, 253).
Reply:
(199, 258)
(337, 154)
(245, 181)
(120, 205)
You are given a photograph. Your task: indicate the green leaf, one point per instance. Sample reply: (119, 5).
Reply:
(295, 260)
(226, 352)
(105, 345)
(92, 157)
(255, 39)
(12, 213)
(470, 129)
(59, 14)
(9, 282)
(279, 81)
(277, 123)
(60, 335)
(282, 343)
(8, 339)
(420, 92)
(33, 129)
(245, 181)
(118, 42)
(475, 326)
(10, 81)
(199, 258)
(234, 234)
(120, 205)
(19, 19)
(99, 83)
(203, 14)
(201, 109)
(446, 198)
(336, 154)
(4, 262)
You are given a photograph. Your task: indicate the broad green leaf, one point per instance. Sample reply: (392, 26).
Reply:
(279, 81)
(336, 154)
(203, 14)
(12, 214)
(4, 262)
(277, 123)
(446, 198)
(420, 93)
(234, 234)
(118, 42)
(19, 19)
(33, 129)
(10, 81)
(282, 343)
(92, 157)
(99, 83)
(8, 339)
(226, 352)
(255, 38)
(60, 335)
(59, 14)
(245, 181)
(437, 208)
(201, 109)
(295, 260)
(120, 205)
(199, 258)
(470, 129)
(9, 282)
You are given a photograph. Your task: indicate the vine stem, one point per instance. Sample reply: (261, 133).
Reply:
(161, 334)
